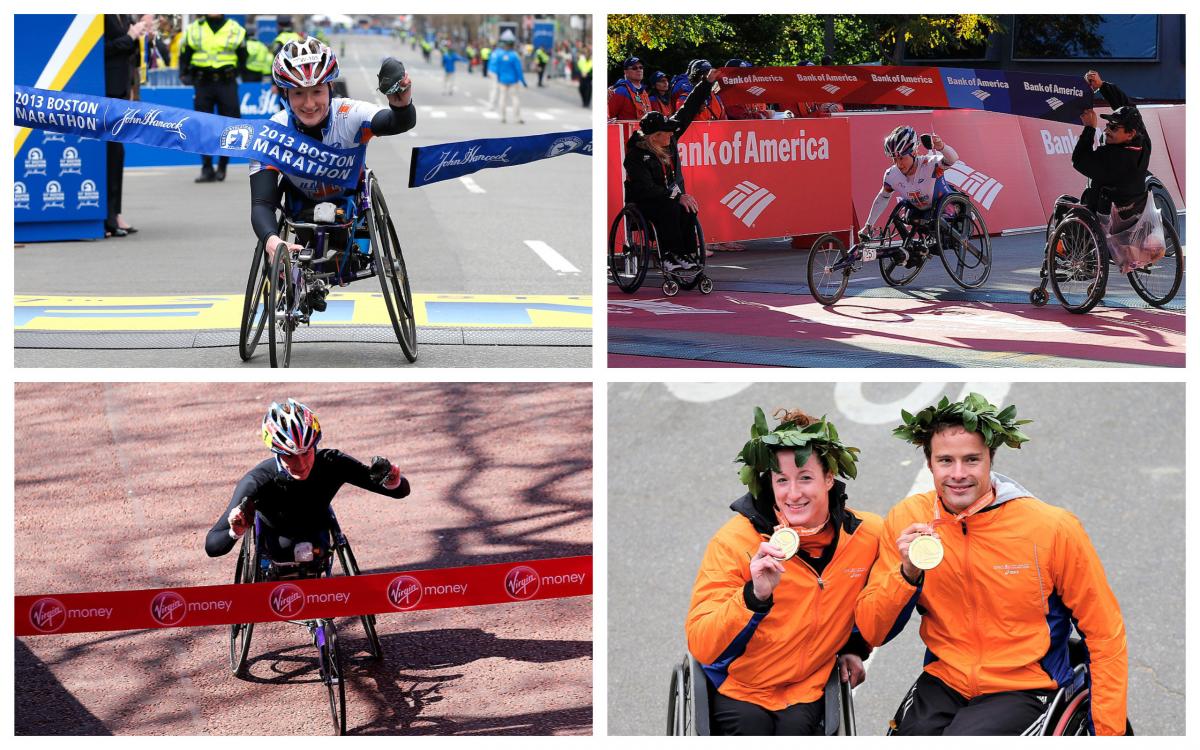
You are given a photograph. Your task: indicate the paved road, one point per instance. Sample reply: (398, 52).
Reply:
(761, 313)
(473, 237)
(1111, 453)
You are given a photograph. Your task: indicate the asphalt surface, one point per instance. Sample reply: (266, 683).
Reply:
(929, 323)
(1112, 453)
(457, 237)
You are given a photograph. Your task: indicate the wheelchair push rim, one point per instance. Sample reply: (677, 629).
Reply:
(963, 242)
(388, 260)
(897, 238)
(1077, 264)
(629, 266)
(254, 306)
(282, 308)
(828, 269)
(1159, 282)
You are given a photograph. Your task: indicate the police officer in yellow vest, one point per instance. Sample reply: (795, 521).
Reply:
(285, 34)
(584, 63)
(541, 59)
(258, 60)
(484, 54)
(214, 50)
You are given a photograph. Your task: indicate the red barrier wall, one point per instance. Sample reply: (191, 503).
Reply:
(1013, 167)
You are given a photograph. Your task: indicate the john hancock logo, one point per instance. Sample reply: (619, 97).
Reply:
(522, 582)
(287, 600)
(168, 608)
(88, 194)
(404, 592)
(35, 162)
(20, 195)
(70, 163)
(47, 615)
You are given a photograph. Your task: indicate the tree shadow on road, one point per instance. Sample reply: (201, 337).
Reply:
(43, 705)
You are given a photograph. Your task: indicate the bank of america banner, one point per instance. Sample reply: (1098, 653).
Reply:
(1039, 95)
(150, 124)
(449, 161)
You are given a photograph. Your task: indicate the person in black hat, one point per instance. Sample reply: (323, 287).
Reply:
(1118, 167)
(628, 99)
(654, 179)
(660, 93)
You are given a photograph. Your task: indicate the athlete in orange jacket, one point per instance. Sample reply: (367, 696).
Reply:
(768, 626)
(998, 577)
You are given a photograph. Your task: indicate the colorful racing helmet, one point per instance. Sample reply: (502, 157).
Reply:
(900, 142)
(302, 63)
(290, 429)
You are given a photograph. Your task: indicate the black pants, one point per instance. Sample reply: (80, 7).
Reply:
(585, 89)
(541, 73)
(734, 717)
(223, 95)
(115, 169)
(936, 709)
(673, 227)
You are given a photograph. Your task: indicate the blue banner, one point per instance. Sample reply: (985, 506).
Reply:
(543, 35)
(452, 160)
(1041, 95)
(187, 130)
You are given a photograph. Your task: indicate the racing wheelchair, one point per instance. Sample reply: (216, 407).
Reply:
(1077, 258)
(954, 230)
(354, 242)
(632, 243)
(689, 703)
(255, 564)
(1068, 712)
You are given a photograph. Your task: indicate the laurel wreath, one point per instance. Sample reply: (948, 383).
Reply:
(974, 413)
(759, 453)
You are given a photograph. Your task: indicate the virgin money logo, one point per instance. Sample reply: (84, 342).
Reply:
(974, 183)
(756, 90)
(521, 582)
(47, 615)
(404, 592)
(747, 201)
(906, 90)
(287, 600)
(168, 608)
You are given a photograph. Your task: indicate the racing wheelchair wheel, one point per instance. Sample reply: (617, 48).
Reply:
(240, 635)
(670, 288)
(1078, 262)
(333, 676)
(254, 306)
(1039, 297)
(706, 285)
(963, 240)
(388, 260)
(350, 567)
(828, 269)
(281, 306)
(1164, 201)
(631, 235)
(895, 269)
(1158, 283)
(688, 703)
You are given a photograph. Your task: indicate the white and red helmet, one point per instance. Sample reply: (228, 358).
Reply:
(290, 429)
(302, 63)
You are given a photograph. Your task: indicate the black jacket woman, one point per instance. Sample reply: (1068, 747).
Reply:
(654, 179)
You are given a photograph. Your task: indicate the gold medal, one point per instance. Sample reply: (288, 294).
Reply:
(787, 540)
(926, 552)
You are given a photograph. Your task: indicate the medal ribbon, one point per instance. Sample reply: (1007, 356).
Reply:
(975, 507)
(801, 530)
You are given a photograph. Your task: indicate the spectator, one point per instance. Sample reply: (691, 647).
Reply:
(542, 59)
(628, 99)
(713, 108)
(449, 59)
(585, 76)
(660, 93)
(121, 50)
(507, 65)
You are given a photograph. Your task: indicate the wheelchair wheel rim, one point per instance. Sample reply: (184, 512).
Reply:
(1076, 263)
(1159, 282)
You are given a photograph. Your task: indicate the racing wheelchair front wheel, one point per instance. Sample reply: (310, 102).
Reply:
(332, 675)
(389, 265)
(281, 306)
(1158, 283)
(1077, 262)
(963, 240)
(899, 268)
(828, 269)
(240, 635)
(350, 568)
(254, 307)
(629, 241)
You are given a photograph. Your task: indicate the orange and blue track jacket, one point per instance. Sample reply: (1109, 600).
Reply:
(779, 652)
(997, 613)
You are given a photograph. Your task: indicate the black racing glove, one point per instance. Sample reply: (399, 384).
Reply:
(380, 468)
(391, 73)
